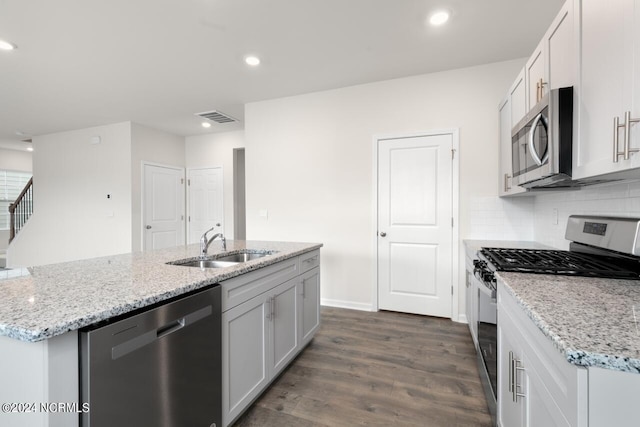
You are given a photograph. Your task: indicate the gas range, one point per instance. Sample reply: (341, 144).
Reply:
(603, 247)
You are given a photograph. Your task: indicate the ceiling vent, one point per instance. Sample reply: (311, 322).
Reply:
(217, 116)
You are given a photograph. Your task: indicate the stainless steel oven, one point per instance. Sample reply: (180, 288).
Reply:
(487, 334)
(542, 141)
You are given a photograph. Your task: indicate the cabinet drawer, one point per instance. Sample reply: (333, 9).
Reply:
(242, 288)
(309, 260)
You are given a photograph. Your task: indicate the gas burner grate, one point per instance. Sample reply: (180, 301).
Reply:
(559, 262)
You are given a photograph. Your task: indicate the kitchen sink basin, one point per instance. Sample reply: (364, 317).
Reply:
(224, 259)
(206, 263)
(242, 256)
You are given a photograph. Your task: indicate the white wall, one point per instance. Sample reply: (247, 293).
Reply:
(609, 200)
(73, 218)
(13, 160)
(153, 146)
(309, 162)
(217, 150)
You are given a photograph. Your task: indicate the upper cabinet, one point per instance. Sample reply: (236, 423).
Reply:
(553, 63)
(609, 107)
(517, 100)
(511, 110)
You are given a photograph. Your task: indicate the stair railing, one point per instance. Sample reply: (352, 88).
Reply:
(21, 210)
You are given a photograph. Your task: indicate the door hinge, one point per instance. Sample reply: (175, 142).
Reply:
(189, 218)
(452, 221)
(181, 180)
(189, 182)
(453, 153)
(452, 290)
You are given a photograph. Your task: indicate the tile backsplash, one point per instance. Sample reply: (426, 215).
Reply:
(543, 217)
(493, 218)
(552, 210)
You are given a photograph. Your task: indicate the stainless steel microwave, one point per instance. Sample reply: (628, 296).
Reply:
(542, 141)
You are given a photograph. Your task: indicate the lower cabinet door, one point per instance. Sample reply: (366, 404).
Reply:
(245, 369)
(284, 326)
(511, 408)
(542, 409)
(310, 293)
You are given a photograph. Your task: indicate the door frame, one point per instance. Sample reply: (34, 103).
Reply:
(187, 199)
(455, 211)
(143, 189)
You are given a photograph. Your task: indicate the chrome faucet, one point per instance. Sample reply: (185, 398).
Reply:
(204, 242)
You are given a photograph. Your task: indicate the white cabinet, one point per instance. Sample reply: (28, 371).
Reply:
(309, 305)
(510, 409)
(609, 89)
(284, 323)
(518, 100)
(537, 386)
(269, 315)
(245, 368)
(536, 75)
(553, 63)
(471, 297)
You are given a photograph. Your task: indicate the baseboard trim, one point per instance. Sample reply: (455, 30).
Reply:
(462, 318)
(346, 304)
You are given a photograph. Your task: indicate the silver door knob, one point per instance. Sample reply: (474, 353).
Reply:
(148, 227)
(383, 234)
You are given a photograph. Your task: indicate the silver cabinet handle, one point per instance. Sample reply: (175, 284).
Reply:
(506, 182)
(383, 234)
(148, 227)
(272, 308)
(626, 150)
(532, 149)
(514, 387)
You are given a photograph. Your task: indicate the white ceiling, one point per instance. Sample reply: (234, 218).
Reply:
(83, 63)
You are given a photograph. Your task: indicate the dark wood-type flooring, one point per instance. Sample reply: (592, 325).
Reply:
(380, 369)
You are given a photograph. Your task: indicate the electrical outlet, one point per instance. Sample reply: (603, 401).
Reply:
(554, 216)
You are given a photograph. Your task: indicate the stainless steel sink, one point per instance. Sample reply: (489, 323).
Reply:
(206, 263)
(242, 256)
(224, 260)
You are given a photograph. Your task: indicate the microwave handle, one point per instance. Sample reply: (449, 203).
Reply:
(532, 148)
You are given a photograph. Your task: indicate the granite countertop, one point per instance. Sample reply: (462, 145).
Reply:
(57, 298)
(592, 322)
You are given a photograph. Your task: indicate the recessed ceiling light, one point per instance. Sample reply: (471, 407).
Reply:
(252, 60)
(29, 148)
(4, 45)
(206, 124)
(439, 18)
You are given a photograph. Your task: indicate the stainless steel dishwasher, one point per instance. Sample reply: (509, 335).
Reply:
(160, 367)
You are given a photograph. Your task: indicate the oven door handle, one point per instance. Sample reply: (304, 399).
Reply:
(532, 148)
(491, 293)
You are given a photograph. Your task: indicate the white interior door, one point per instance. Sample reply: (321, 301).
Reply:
(415, 236)
(205, 201)
(163, 210)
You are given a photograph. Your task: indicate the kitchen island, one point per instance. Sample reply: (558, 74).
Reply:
(42, 310)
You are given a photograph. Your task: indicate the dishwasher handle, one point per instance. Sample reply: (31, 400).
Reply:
(170, 328)
(149, 337)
